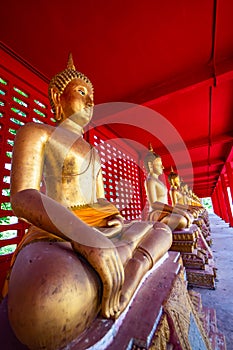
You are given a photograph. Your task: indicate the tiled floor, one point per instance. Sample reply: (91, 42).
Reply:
(222, 297)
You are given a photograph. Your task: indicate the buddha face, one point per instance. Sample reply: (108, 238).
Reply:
(177, 181)
(157, 166)
(77, 102)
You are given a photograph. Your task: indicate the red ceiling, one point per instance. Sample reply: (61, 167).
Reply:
(174, 57)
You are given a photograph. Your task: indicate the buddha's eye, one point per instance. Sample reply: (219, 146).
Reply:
(82, 92)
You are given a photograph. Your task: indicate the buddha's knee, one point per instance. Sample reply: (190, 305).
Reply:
(53, 295)
(176, 222)
(157, 242)
(183, 222)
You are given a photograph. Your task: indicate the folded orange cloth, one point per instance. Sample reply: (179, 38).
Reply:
(157, 215)
(95, 214)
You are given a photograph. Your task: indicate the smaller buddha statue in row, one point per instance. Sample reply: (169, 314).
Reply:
(174, 216)
(183, 197)
(180, 195)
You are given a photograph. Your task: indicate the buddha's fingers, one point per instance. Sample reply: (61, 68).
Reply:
(107, 263)
(105, 309)
(108, 280)
(118, 270)
(115, 289)
(120, 277)
(114, 276)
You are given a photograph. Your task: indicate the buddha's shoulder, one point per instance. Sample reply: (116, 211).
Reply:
(33, 129)
(153, 180)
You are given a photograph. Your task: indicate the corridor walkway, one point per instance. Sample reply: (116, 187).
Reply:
(221, 299)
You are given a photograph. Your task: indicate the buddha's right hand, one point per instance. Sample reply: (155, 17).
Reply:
(107, 264)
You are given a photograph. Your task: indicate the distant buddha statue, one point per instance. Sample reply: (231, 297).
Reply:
(77, 258)
(175, 192)
(183, 190)
(174, 217)
(181, 199)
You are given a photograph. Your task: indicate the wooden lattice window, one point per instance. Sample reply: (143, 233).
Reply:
(19, 104)
(122, 175)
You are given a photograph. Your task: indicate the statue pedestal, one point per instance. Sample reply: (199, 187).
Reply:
(135, 328)
(194, 260)
(185, 240)
(161, 316)
(201, 278)
(197, 256)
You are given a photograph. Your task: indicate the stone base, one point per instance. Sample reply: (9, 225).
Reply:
(185, 235)
(160, 316)
(185, 240)
(183, 246)
(197, 257)
(201, 278)
(142, 319)
(194, 260)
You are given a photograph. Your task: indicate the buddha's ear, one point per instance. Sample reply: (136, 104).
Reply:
(55, 95)
(150, 166)
(56, 98)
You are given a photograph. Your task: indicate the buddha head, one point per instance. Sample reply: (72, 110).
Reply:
(153, 162)
(71, 95)
(174, 179)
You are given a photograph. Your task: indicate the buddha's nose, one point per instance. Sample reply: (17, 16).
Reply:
(90, 102)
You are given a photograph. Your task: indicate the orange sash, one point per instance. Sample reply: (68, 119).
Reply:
(95, 214)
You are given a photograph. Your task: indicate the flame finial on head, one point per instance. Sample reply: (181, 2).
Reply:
(151, 150)
(70, 63)
(150, 147)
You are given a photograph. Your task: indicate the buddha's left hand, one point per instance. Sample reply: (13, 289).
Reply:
(116, 224)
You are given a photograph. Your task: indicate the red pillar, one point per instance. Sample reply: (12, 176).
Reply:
(215, 203)
(226, 198)
(222, 202)
(219, 207)
(218, 193)
(219, 202)
(229, 172)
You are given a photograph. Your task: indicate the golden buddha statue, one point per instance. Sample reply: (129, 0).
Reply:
(77, 258)
(181, 199)
(174, 217)
(183, 190)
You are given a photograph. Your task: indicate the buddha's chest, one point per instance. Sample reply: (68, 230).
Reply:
(70, 158)
(160, 187)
